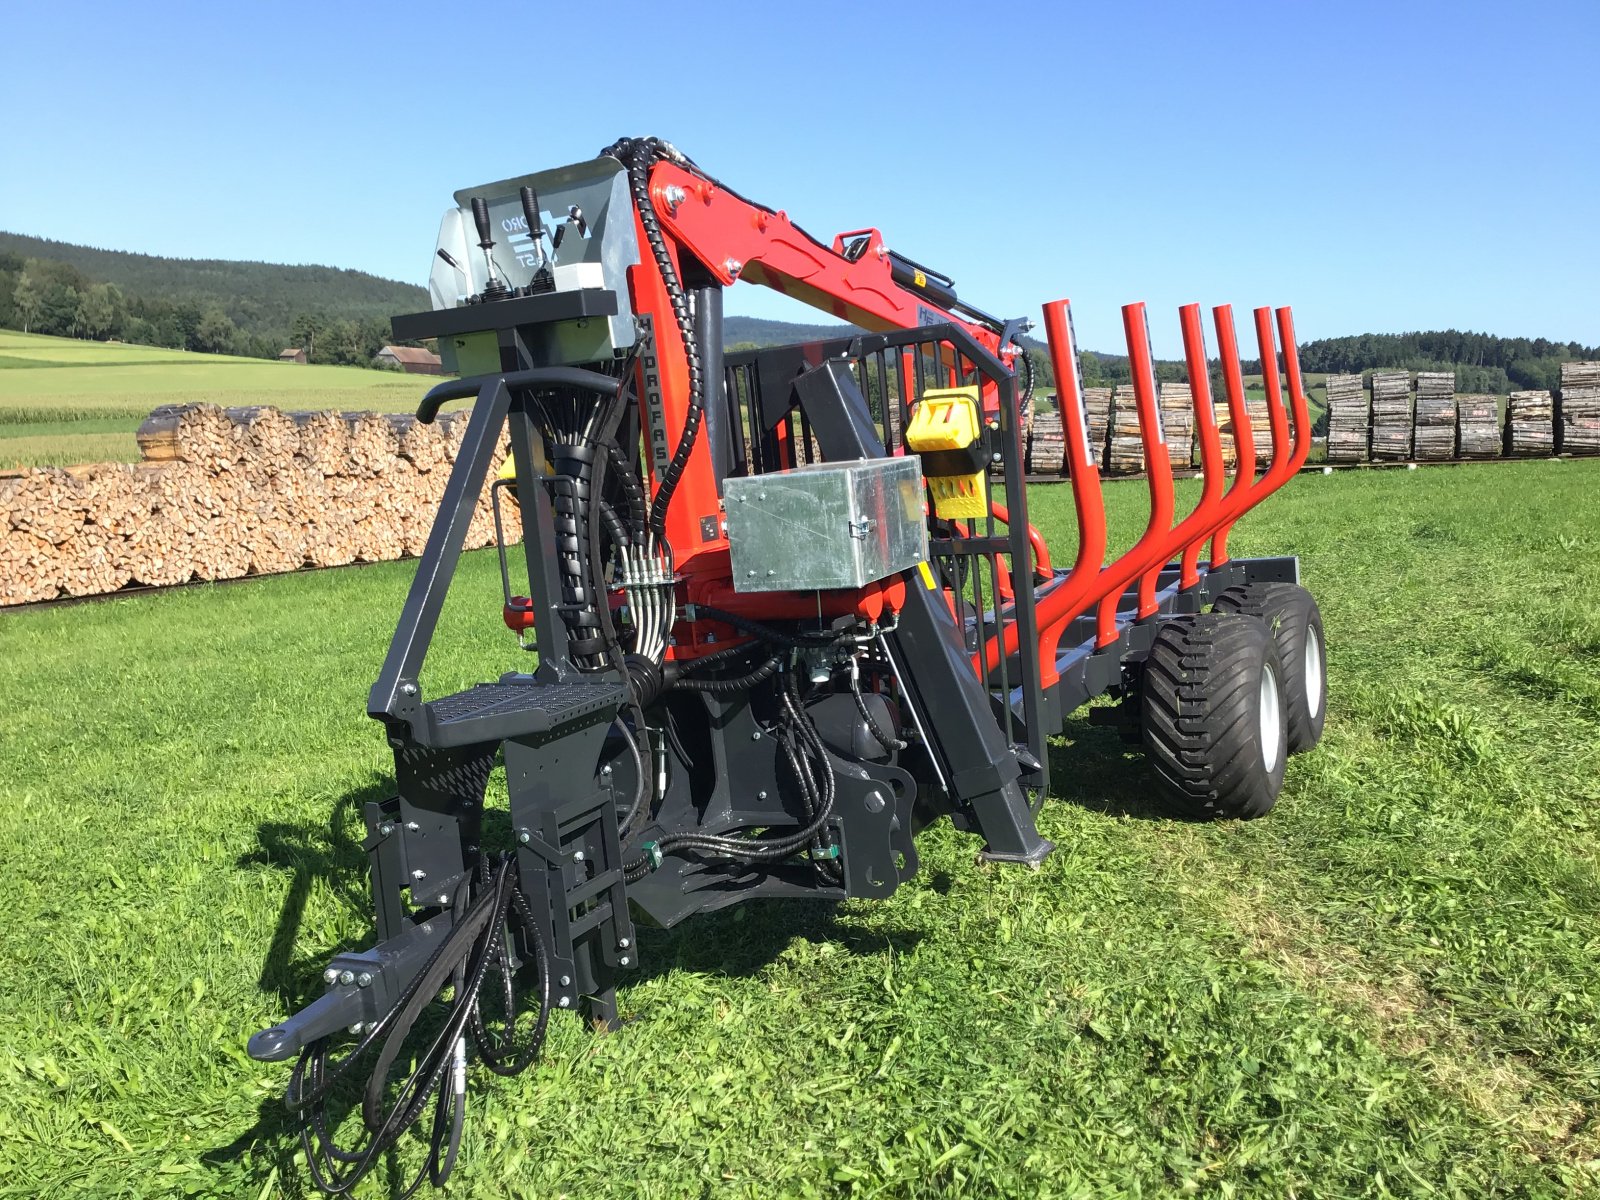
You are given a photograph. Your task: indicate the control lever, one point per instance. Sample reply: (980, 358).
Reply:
(530, 211)
(574, 217)
(543, 278)
(495, 288)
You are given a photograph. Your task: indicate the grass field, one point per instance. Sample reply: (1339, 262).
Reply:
(1387, 987)
(64, 401)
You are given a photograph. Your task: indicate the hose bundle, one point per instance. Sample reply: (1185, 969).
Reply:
(486, 906)
(813, 773)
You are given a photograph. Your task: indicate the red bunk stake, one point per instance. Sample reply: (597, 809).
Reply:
(1289, 447)
(1192, 533)
(1158, 472)
(1297, 394)
(1277, 418)
(1059, 603)
(1244, 442)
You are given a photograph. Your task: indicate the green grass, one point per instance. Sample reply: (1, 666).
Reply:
(1387, 987)
(84, 390)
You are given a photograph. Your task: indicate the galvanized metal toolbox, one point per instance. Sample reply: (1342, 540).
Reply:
(826, 525)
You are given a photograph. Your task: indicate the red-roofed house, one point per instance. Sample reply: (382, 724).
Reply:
(414, 360)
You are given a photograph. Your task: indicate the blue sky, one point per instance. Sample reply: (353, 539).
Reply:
(1379, 166)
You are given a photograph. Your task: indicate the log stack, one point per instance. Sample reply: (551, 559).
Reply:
(1580, 408)
(1047, 446)
(1530, 424)
(1348, 419)
(1177, 421)
(1260, 431)
(1434, 432)
(225, 493)
(1125, 455)
(1391, 415)
(1097, 410)
(1478, 426)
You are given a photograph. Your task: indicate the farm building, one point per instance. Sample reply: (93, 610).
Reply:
(294, 354)
(412, 359)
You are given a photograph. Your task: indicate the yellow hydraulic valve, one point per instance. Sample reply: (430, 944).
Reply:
(947, 432)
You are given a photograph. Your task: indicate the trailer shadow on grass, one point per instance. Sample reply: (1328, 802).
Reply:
(1096, 768)
(309, 852)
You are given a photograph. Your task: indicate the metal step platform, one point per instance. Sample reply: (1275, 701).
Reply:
(495, 711)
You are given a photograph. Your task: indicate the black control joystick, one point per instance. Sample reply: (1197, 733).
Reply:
(543, 279)
(530, 213)
(495, 288)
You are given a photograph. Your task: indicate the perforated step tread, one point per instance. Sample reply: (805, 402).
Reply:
(499, 710)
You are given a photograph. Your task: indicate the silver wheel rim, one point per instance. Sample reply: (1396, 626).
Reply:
(1269, 717)
(1313, 672)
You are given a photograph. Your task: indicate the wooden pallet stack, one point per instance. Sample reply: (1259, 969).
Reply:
(1177, 420)
(1530, 424)
(1125, 455)
(1347, 419)
(221, 494)
(1478, 426)
(1434, 431)
(1097, 408)
(1391, 415)
(1580, 408)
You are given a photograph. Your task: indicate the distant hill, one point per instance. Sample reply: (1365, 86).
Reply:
(256, 296)
(739, 331)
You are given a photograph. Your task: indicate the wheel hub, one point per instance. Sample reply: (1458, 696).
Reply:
(1270, 717)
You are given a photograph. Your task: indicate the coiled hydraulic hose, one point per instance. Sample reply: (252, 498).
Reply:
(639, 155)
(772, 849)
(485, 907)
(734, 686)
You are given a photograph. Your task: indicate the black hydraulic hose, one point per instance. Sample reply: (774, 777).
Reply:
(1027, 390)
(612, 522)
(807, 641)
(882, 736)
(632, 491)
(720, 658)
(807, 728)
(641, 790)
(475, 942)
(756, 850)
(457, 389)
(731, 687)
(811, 795)
(595, 563)
(639, 156)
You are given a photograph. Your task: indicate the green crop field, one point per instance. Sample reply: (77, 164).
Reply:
(1387, 987)
(65, 401)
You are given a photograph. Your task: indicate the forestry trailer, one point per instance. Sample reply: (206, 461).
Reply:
(787, 609)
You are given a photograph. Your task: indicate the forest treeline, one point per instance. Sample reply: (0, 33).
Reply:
(258, 309)
(1481, 361)
(215, 306)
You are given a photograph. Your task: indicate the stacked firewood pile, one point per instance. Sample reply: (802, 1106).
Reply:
(1047, 446)
(1580, 408)
(1530, 423)
(224, 493)
(1391, 414)
(1435, 430)
(1478, 426)
(1097, 408)
(1125, 456)
(1347, 419)
(1260, 430)
(1177, 422)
